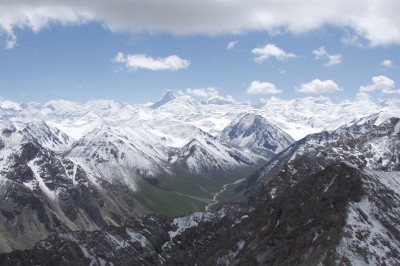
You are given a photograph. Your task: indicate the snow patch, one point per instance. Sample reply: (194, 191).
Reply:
(42, 185)
(137, 237)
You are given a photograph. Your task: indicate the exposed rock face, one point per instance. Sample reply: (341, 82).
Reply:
(50, 183)
(364, 144)
(255, 133)
(326, 205)
(42, 193)
(302, 221)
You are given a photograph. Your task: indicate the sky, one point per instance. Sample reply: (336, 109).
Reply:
(247, 50)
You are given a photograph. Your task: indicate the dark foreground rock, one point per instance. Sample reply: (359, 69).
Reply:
(340, 215)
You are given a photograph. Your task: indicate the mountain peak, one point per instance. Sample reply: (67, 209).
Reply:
(254, 132)
(167, 97)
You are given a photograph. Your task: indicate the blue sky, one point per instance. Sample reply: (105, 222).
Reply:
(80, 53)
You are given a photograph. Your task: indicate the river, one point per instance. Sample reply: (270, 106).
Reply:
(216, 195)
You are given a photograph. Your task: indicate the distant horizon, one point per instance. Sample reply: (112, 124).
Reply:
(258, 104)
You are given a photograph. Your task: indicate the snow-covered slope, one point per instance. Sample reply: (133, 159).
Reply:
(42, 192)
(300, 117)
(120, 148)
(168, 96)
(297, 117)
(206, 156)
(364, 143)
(254, 133)
(13, 133)
(331, 195)
(150, 142)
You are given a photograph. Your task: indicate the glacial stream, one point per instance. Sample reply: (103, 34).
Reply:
(216, 195)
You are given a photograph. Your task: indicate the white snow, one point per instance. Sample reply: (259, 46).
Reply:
(31, 184)
(366, 239)
(42, 185)
(117, 240)
(226, 260)
(272, 192)
(137, 237)
(186, 222)
(6, 104)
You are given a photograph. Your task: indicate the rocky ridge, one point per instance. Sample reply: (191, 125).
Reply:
(333, 201)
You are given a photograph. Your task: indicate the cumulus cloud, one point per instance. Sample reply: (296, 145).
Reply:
(376, 21)
(353, 40)
(387, 63)
(206, 93)
(257, 87)
(209, 92)
(320, 52)
(332, 59)
(380, 83)
(137, 61)
(318, 87)
(231, 45)
(270, 50)
(36, 16)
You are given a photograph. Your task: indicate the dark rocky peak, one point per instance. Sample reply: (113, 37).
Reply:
(364, 145)
(294, 219)
(255, 133)
(167, 97)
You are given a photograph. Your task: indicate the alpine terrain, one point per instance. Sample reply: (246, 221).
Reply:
(306, 181)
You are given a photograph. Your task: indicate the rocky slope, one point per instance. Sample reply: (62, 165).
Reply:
(51, 183)
(370, 142)
(254, 133)
(336, 216)
(42, 192)
(335, 201)
(66, 166)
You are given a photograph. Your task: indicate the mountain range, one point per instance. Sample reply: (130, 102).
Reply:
(318, 182)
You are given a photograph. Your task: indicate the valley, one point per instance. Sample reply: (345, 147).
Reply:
(216, 198)
(97, 173)
(199, 133)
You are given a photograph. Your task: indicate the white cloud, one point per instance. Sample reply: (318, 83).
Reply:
(376, 21)
(231, 45)
(282, 71)
(319, 87)
(380, 83)
(322, 54)
(271, 50)
(257, 87)
(36, 16)
(334, 60)
(208, 93)
(387, 63)
(136, 61)
(353, 40)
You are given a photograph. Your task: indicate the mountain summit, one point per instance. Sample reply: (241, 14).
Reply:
(167, 97)
(255, 133)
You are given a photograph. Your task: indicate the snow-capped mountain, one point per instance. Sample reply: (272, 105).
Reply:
(42, 192)
(168, 96)
(368, 142)
(328, 204)
(255, 133)
(297, 117)
(70, 166)
(66, 166)
(300, 117)
(206, 156)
